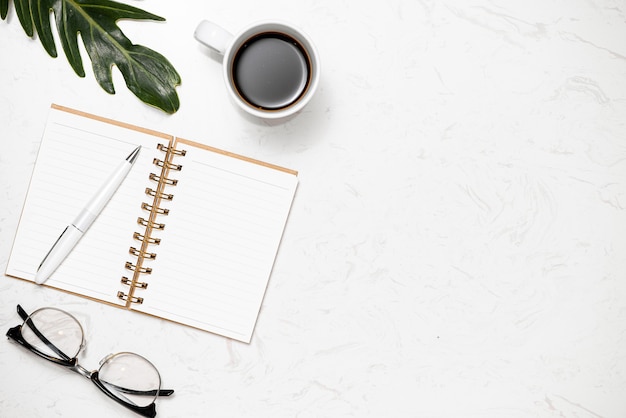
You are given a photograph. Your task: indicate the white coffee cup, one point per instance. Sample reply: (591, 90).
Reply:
(271, 69)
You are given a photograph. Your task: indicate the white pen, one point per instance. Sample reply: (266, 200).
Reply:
(74, 231)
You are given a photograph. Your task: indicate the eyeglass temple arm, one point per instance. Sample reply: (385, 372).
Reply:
(162, 392)
(24, 315)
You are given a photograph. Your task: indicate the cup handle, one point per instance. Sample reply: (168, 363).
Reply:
(213, 36)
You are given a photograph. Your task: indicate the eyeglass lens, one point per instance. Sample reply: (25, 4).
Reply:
(59, 328)
(131, 378)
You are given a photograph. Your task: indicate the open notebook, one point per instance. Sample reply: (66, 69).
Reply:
(190, 236)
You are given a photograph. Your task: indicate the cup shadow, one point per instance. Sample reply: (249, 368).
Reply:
(208, 52)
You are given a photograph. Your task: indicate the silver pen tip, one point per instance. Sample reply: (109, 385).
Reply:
(133, 155)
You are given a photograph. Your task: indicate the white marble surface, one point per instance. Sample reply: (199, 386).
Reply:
(457, 243)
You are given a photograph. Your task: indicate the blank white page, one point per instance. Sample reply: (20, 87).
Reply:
(76, 156)
(220, 241)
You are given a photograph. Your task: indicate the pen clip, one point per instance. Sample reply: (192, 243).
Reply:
(52, 248)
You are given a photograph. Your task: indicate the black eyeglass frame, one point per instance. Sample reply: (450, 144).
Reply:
(71, 363)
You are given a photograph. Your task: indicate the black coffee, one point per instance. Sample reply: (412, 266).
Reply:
(271, 71)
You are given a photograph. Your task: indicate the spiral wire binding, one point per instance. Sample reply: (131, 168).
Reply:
(149, 223)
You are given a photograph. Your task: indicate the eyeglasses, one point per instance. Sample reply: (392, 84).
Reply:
(57, 336)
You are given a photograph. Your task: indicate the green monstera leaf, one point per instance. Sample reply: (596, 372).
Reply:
(148, 74)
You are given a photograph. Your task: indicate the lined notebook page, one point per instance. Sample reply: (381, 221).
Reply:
(219, 243)
(77, 154)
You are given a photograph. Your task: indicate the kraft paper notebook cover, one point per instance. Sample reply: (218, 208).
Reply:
(190, 236)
